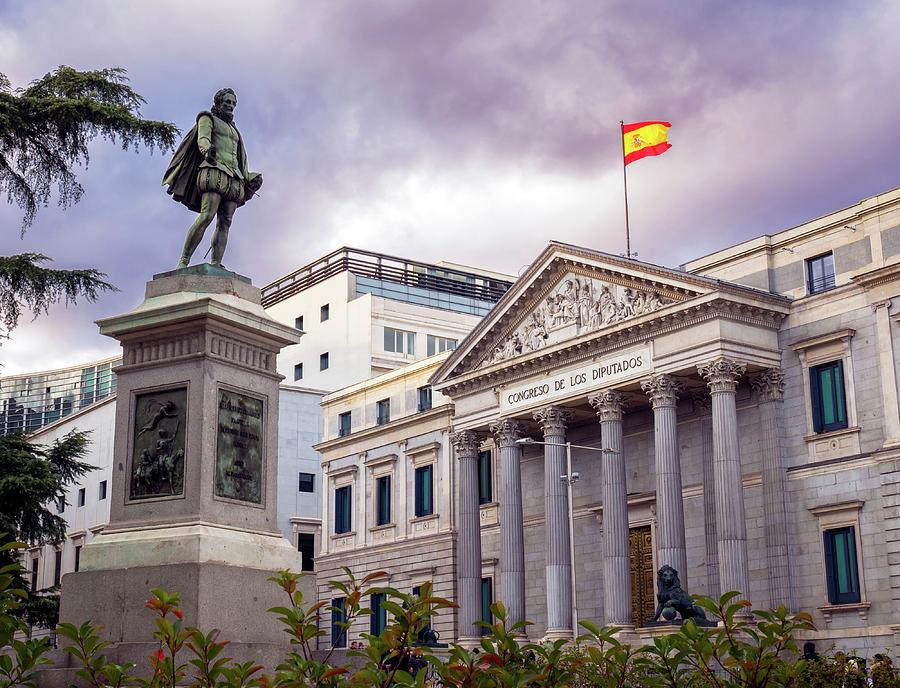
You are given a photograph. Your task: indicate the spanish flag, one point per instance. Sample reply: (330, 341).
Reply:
(643, 139)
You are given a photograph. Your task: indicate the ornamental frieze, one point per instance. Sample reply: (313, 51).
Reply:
(577, 305)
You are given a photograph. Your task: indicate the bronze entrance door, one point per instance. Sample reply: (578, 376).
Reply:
(643, 603)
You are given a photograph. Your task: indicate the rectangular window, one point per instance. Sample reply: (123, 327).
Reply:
(324, 313)
(306, 543)
(841, 572)
(35, 566)
(342, 507)
(487, 599)
(338, 617)
(344, 424)
(378, 620)
(438, 345)
(102, 494)
(423, 487)
(77, 557)
(399, 341)
(484, 478)
(81, 497)
(423, 395)
(57, 568)
(829, 404)
(306, 482)
(383, 500)
(298, 372)
(298, 322)
(323, 361)
(383, 411)
(61, 505)
(820, 273)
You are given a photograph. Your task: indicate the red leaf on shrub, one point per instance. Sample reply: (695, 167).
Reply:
(335, 672)
(159, 656)
(177, 612)
(491, 658)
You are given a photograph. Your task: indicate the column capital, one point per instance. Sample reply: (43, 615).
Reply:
(609, 404)
(553, 419)
(662, 389)
(465, 442)
(507, 431)
(769, 384)
(701, 399)
(721, 374)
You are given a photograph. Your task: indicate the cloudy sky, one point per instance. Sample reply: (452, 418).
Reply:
(468, 130)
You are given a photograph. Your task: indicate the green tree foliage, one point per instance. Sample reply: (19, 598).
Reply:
(33, 479)
(45, 130)
(26, 283)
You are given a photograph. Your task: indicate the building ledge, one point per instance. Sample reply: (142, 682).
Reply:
(818, 437)
(862, 608)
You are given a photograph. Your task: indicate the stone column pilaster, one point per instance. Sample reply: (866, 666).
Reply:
(512, 532)
(704, 403)
(887, 372)
(558, 570)
(609, 405)
(769, 386)
(468, 544)
(670, 549)
(721, 375)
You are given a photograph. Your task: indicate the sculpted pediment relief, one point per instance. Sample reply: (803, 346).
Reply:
(576, 305)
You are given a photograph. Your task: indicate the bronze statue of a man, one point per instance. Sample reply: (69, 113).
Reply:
(209, 175)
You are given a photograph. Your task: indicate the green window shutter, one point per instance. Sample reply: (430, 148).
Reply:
(815, 399)
(487, 599)
(841, 570)
(484, 477)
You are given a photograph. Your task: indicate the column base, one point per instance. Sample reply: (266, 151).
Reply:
(552, 634)
(469, 642)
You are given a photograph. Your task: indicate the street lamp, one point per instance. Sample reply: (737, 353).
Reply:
(569, 479)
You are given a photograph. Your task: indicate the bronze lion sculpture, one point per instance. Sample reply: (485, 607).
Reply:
(672, 598)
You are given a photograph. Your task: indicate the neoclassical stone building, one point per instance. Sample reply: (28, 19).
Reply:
(735, 418)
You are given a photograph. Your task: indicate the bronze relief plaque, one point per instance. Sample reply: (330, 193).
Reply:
(157, 454)
(239, 450)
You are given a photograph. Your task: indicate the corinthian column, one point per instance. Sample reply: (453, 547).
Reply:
(558, 571)
(609, 405)
(512, 533)
(671, 549)
(769, 386)
(721, 376)
(468, 545)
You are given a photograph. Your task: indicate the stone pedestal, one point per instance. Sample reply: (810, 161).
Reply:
(195, 465)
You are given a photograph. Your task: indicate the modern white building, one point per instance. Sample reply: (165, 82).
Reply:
(365, 313)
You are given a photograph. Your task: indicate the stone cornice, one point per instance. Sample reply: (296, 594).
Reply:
(874, 278)
(618, 336)
(336, 443)
(839, 335)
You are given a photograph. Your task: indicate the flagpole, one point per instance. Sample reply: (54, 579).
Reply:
(625, 179)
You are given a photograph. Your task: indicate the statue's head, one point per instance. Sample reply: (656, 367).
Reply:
(667, 578)
(224, 103)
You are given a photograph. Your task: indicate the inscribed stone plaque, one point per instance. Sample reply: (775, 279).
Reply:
(239, 447)
(157, 455)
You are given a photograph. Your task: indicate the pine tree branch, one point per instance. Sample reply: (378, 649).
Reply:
(24, 283)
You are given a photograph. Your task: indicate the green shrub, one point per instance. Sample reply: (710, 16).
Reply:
(747, 649)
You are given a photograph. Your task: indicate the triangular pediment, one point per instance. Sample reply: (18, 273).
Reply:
(566, 294)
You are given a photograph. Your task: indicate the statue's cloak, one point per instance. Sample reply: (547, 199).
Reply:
(181, 175)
